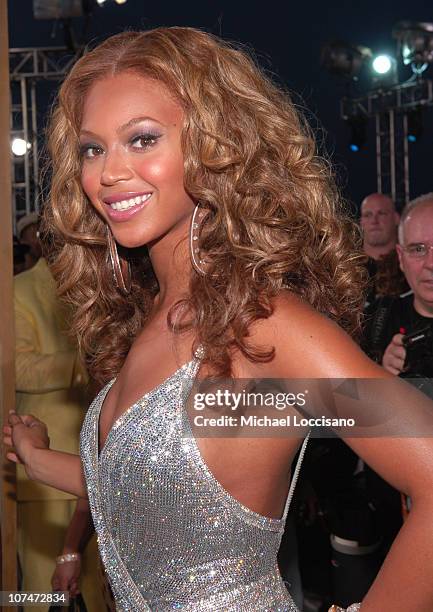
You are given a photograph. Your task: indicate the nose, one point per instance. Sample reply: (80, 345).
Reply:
(115, 168)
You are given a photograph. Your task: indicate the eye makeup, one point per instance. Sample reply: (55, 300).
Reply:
(145, 139)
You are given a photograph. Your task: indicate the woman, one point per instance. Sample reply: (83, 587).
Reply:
(174, 140)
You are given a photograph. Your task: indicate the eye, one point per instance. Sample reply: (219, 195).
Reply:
(144, 141)
(90, 151)
(418, 250)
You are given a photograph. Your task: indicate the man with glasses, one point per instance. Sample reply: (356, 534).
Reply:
(407, 335)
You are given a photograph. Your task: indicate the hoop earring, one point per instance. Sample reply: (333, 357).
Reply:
(122, 277)
(194, 249)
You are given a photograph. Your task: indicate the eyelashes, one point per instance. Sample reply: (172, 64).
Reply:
(146, 139)
(89, 150)
(138, 142)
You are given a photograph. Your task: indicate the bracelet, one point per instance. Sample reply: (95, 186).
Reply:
(355, 607)
(67, 557)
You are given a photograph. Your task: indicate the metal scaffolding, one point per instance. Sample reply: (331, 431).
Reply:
(29, 67)
(390, 109)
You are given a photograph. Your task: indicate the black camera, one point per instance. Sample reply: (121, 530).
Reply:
(419, 353)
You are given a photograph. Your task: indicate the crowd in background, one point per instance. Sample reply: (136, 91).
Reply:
(348, 516)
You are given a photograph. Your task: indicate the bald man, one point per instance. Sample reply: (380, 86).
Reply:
(379, 221)
(414, 311)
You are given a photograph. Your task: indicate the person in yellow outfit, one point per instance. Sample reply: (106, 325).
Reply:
(51, 384)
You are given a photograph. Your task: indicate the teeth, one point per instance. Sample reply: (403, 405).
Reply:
(125, 204)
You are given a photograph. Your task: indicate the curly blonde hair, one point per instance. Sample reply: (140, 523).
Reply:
(275, 218)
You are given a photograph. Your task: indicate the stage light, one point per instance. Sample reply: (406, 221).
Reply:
(382, 64)
(20, 146)
(344, 59)
(101, 2)
(384, 70)
(415, 41)
(120, 1)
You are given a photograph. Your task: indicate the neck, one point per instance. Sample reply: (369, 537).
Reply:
(171, 265)
(376, 252)
(425, 310)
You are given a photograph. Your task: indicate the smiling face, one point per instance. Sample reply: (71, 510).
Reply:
(417, 229)
(132, 161)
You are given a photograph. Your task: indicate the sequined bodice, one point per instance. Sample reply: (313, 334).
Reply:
(170, 536)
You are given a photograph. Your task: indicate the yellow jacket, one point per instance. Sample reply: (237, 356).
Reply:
(50, 381)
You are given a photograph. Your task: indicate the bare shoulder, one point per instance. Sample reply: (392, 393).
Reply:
(310, 344)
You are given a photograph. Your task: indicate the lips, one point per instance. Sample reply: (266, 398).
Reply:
(126, 197)
(123, 206)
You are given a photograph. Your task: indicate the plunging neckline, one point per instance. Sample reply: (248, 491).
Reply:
(119, 420)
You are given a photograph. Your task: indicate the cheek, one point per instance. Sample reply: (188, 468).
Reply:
(90, 182)
(412, 270)
(162, 172)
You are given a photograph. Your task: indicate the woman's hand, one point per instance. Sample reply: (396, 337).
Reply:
(24, 434)
(30, 444)
(66, 577)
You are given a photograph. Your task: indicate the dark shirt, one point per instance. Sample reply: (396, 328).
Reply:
(388, 316)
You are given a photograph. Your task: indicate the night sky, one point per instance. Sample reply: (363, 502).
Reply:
(287, 38)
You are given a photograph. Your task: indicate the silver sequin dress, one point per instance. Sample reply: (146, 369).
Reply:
(170, 536)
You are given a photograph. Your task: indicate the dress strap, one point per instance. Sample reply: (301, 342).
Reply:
(295, 477)
(194, 365)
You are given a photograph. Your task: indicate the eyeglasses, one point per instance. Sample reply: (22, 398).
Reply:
(418, 251)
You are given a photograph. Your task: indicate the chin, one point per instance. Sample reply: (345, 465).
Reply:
(132, 244)
(131, 239)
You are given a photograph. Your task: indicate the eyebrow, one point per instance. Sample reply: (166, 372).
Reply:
(127, 125)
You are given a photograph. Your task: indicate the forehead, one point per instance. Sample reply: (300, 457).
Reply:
(377, 204)
(118, 98)
(418, 226)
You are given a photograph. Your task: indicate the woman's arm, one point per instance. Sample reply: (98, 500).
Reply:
(66, 576)
(309, 345)
(80, 528)
(57, 469)
(29, 440)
